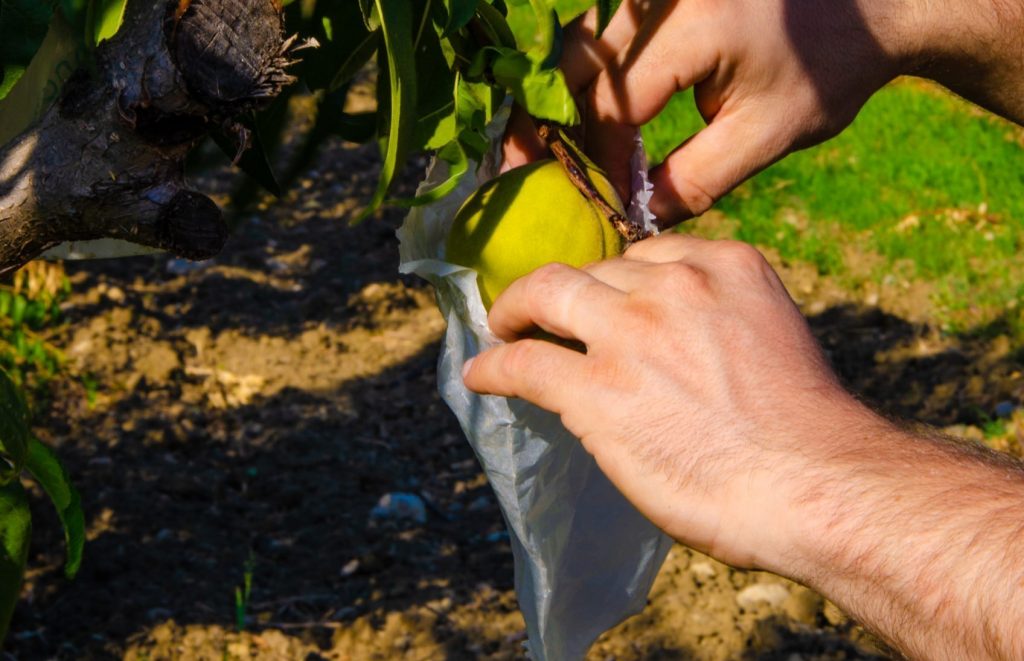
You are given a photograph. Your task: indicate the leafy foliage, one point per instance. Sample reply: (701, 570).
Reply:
(47, 470)
(443, 68)
(24, 23)
(15, 532)
(29, 307)
(18, 450)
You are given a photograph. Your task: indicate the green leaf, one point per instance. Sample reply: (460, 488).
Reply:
(495, 26)
(474, 109)
(541, 91)
(355, 60)
(396, 19)
(435, 104)
(108, 16)
(9, 75)
(605, 10)
(14, 429)
(49, 472)
(539, 28)
(458, 164)
(371, 14)
(15, 534)
(459, 13)
(345, 44)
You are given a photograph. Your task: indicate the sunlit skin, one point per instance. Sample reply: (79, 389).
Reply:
(702, 394)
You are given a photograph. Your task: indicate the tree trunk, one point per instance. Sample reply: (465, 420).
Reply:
(107, 160)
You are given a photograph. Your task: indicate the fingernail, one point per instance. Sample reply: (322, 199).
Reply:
(465, 368)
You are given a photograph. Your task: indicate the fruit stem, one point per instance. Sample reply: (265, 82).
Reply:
(576, 166)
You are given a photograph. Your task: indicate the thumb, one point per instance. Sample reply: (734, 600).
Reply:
(732, 148)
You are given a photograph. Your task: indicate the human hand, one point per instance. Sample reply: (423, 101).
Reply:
(705, 399)
(702, 395)
(769, 77)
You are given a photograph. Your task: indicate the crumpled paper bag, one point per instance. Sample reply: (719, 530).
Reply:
(585, 558)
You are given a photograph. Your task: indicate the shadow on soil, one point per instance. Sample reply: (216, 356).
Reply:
(181, 495)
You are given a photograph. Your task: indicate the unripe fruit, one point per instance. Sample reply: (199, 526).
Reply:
(528, 217)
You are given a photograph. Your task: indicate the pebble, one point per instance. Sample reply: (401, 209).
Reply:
(1005, 409)
(498, 537)
(479, 504)
(179, 266)
(772, 594)
(399, 506)
(703, 570)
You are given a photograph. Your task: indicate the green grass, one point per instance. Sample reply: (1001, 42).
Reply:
(921, 178)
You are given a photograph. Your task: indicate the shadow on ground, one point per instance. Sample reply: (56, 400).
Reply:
(252, 411)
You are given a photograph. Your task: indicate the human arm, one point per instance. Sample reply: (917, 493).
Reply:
(705, 399)
(771, 77)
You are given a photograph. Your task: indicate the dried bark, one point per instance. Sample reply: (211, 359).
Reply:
(107, 160)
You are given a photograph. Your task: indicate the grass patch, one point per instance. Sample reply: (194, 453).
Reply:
(29, 315)
(921, 177)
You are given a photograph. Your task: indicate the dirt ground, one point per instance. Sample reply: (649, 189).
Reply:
(250, 411)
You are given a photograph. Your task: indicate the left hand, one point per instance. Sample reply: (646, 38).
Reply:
(702, 395)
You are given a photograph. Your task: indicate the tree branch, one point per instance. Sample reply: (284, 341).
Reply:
(107, 160)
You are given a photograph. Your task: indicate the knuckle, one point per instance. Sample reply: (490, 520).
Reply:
(692, 196)
(517, 359)
(742, 255)
(682, 274)
(549, 289)
(548, 278)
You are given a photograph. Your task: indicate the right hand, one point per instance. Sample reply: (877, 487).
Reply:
(769, 76)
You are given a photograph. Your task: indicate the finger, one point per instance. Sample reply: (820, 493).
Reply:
(668, 247)
(538, 371)
(626, 275)
(521, 144)
(583, 56)
(558, 299)
(734, 147)
(611, 146)
(661, 60)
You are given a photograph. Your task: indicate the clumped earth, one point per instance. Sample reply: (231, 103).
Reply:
(243, 416)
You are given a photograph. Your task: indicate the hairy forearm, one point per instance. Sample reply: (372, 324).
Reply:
(920, 538)
(975, 48)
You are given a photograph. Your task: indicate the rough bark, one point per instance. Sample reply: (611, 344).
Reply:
(107, 160)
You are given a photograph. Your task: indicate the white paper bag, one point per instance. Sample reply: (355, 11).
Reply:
(585, 558)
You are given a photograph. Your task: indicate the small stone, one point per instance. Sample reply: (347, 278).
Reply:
(803, 605)
(498, 537)
(115, 294)
(180, 266)
(351, 567)
(1005, 409)
(398, 505)
(479, 504)
(772, 594)
(833, 615)
(703, 571)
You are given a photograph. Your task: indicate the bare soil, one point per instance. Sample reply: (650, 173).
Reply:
(250, 412)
